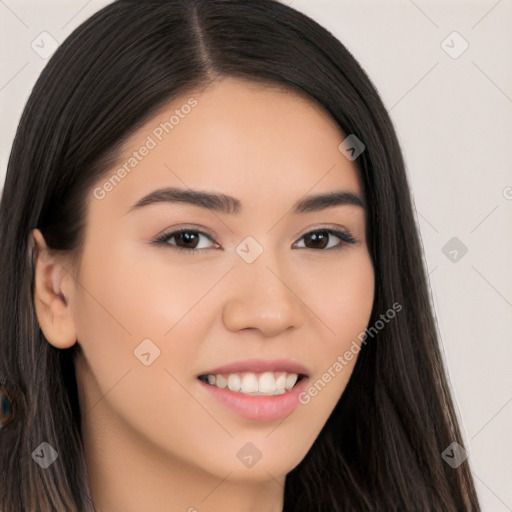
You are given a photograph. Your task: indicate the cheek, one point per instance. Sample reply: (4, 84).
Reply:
(344, 304)
(140, 297)
(343, 298)
(339, 294)
(353, 293)
(123, 301)
(126, 299)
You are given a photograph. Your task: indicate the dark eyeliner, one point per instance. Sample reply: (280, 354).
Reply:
(345, 237)
(163, 239)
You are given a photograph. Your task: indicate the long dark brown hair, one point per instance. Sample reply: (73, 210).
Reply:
(381, 448)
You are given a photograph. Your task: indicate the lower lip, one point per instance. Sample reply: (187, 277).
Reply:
(259, 408)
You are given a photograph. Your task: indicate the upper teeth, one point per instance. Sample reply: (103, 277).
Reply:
(249, 383)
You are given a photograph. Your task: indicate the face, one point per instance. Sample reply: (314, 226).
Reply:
(255, 288)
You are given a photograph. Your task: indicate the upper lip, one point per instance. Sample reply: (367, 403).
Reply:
(260, 365)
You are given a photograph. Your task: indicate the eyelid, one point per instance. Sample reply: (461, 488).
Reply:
(172, 232)
(187, 227)
(342, 233)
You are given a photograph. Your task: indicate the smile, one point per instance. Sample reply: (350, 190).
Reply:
(256, 405)
(252, 383)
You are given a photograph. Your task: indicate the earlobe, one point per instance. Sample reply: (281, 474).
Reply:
(53, 292)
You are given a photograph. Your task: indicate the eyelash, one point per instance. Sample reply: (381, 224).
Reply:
(345, 238)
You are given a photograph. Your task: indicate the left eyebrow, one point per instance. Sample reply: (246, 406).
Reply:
(322, 201)
(230, 205)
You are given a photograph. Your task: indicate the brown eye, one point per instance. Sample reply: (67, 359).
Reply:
(189, 239)
(321, 238)
(318, 239)
(185, 240)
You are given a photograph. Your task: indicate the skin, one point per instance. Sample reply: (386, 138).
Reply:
(153, 438)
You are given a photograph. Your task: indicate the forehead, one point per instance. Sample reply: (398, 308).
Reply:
(237, 137)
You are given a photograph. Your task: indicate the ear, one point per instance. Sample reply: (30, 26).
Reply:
(54, 287)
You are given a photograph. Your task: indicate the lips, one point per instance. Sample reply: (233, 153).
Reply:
(259, 366)
(257, 408)
(257, 389)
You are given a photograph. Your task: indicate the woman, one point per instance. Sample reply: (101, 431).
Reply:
(292, 362)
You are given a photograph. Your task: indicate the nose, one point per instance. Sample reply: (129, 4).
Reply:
(262, 297)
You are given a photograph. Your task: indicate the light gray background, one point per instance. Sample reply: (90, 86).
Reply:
(454, 122)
